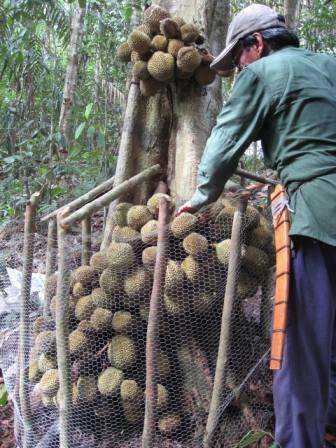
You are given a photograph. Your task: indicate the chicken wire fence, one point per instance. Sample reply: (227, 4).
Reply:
(106, 321)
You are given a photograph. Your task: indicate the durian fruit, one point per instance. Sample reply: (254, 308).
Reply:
(51, 285)
(192, 269)
(159, 43)
(34, 373)
(196, 245)
(59, 396)
(124, 52)
(204, 301)
(101, 319)
(255, 261)
(85, 275)
(144, 310)
(149, 258)
(162, 397)
(149, 232)
(120, 213)
(169, 424)
(247, 285)
(144, 29)
(260, 237)
(130, 390)
(175, 277)
(161, 66)
(174, 46)
(78, 343)
(140, 70)
(150, 87)
(174, 307)
(188, 59)
(204, 75)
(223, 252)
(84, 308)
(139, 42)
(123, 322)
(49, 383)
(138, 216)
(183, 224)
(86, 327)
(199, 40)
(251, 218)
(154, 202)
(46, 362)
(99, 261)
(109, 382)
(101, 299)
(135, 57)
(189, 33)
(121, 256)
(179, 20)
(132, 401)
(45, 342)
(170, 29)
(42, 323)
(48, 402)
(137, 284)
(153, 16)
(87, 388)
(111, 282)
(163, 365)
(79, 290)
(121, 352)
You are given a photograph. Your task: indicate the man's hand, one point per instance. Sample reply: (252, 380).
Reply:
(185, 208)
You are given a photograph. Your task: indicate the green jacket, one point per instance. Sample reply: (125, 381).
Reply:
(288, 101)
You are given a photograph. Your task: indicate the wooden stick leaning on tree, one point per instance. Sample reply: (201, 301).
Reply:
(25, 306)
(82, 200)
(223, 348)
(148, 436)
(108, 197)
(86, 241)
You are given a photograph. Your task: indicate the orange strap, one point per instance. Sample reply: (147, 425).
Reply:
(282, 247)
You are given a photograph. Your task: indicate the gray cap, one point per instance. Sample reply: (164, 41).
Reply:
(255, 17)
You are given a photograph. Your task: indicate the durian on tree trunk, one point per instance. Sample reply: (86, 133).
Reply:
(171, 128)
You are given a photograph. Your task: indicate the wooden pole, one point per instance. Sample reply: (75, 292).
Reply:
(25, 307)
(86, 241)
(262, 179)
(51, 261)
(82, 200)
(62, 336)
(104, 200)
(148, 436)
(224, 341)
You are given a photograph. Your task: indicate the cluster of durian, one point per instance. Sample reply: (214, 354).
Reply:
(165, 48)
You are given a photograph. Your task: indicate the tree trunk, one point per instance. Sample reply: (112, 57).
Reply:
(71, 76)
(171, 128)
(291, 8)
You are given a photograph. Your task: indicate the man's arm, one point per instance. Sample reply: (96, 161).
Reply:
(237, 126)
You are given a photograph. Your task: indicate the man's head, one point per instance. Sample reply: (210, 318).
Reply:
(252, 34)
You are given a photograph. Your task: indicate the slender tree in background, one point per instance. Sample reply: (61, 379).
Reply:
(291, 13)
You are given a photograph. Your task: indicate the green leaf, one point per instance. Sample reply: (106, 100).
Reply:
(90, 132)
(3, 395)
(252, 437)
(79, 130)
(75, 150)
(128, 11)
(88, 110)
(82, 3)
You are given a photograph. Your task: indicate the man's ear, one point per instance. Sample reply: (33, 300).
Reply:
(259, 43)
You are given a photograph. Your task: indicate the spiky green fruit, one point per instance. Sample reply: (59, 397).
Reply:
(149, 258)
(189, 33)
(101, 319)
(46, 362)
(159, 43)
(153, 16)
(175, 277)
(85, 275)
(255, 261)
(261, 237)
(196, 245)
(79, 290)
(120, 213)
(86, 327)
(123, 322)
(149, 232)
(174, 46)
(111, 282)
(121, 256)
(109, 382)
(87, 388)
(191, 268)
(99, 261)
(137, 284)
(140, 70)
(183, 224)
(45, 342)
(161, 66)
(126, 235)
(174, 307)
(42, 323)
(153, 203)
(247, 285)
(169, 424)
(130, 390)
(34, 373)
(84, 308)
(101, 299)
(121, 352)
(169, 28)
(139, 42)
(78, 343)
(51, 285)
(49, 383)
(124, 52)
(188, 59)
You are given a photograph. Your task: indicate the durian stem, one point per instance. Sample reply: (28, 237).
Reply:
(224, 341)
(62, 336)
(108, 197)
(148, 435)
(82, 200)
(51, 261)
(25, 307)
(86, 241)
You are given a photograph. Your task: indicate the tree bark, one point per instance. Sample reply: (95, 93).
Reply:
(71, 76)
(291, 8)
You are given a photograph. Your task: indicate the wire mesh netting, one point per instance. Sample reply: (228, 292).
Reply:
(106, 315)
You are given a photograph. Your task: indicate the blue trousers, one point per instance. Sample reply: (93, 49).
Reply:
(304, 389)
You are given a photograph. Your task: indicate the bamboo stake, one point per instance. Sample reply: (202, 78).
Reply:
(51, 261)
(86, 241)
(82, 200)
(108, 197)
(25, 306)
(262, 179)
(224, 341)
(62, 336)
(148, 435)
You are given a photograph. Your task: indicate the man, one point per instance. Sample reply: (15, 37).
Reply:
(286, 97)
